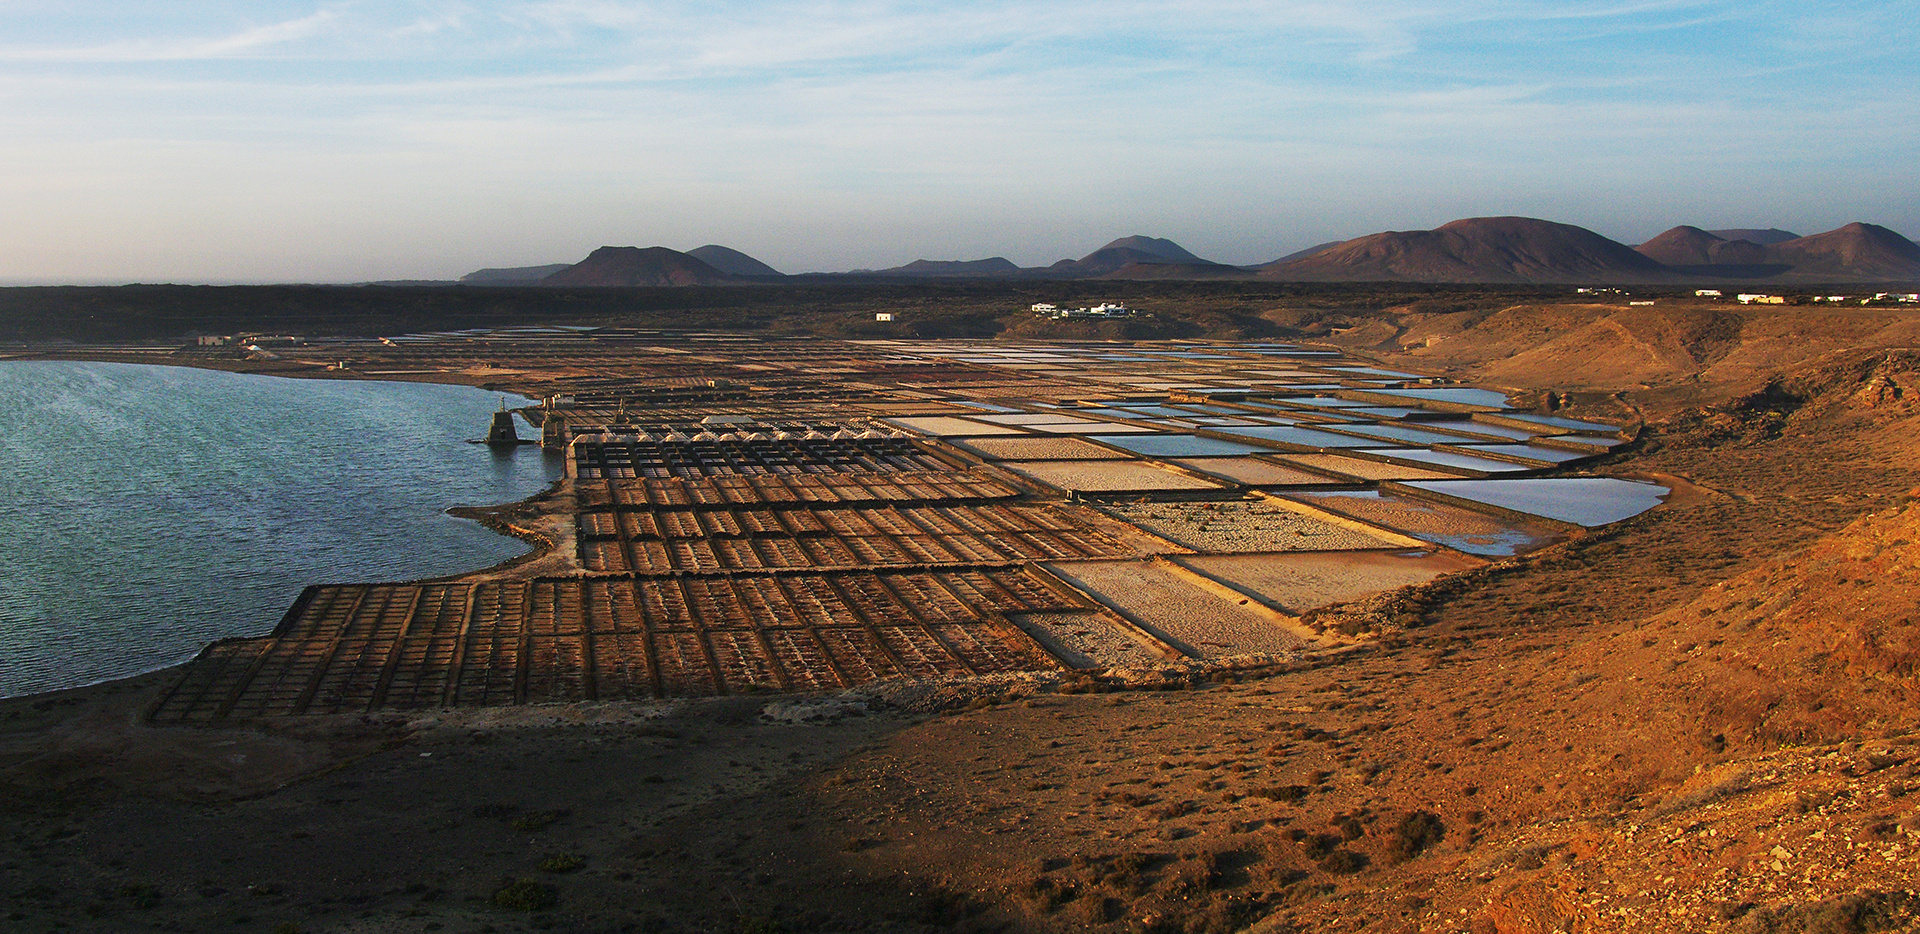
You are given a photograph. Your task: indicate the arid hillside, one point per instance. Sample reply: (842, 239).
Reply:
(1671, 354)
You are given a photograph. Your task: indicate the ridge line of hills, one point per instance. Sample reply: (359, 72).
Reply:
(1516, 250)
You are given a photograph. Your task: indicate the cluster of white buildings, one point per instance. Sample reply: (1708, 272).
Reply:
(1757, 298)
(1050, 310)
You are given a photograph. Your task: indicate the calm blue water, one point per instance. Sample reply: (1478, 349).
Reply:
(146, 511)
(1588, 501)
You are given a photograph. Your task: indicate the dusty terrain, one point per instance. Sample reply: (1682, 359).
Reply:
(1700, 719)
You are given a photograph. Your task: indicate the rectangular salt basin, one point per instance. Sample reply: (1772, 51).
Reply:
(1376, 371)
(1089, 428)
(1365, 469)
(1492, 431)
(1259, 525)
(1305, 581)
(1303, 437)
(1038, 448)
(1403, 434)
(1546, 455)
(1459, 529)
(1324, 402)
(1383, 411)
(1450, 459)
(1164, 600)
(1087, 640)
(1570, 424)
(1253, 471)
(1457, 395)
(943, 426)
(1585, 501)
(1030, 418)
(1177, 446)
(1107, 476)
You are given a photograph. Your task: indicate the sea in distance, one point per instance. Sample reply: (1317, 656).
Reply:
(146, 511)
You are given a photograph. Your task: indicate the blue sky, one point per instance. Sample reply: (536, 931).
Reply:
(346, 141)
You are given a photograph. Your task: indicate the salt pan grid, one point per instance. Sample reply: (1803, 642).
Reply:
(360, 648)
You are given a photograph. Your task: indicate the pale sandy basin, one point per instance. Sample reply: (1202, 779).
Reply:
(1040, 449)
(1365, 469)
(1107, 476)
(1252, 471)
(1162, 599)
(1305, 581)
(1452, 526)
(1087, 640)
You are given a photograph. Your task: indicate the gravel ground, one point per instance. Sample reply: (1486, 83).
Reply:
(1242, 527)
(1156, 596)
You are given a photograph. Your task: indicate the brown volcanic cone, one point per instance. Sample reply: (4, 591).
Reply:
(1856, 251)
(1129, 251)
(1479, 249)
(732, 261)
(1691, 246)
(993, 267)
(626, 266)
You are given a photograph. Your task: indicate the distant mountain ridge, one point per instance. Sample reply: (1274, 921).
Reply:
(1520, 250)
(1856, 252)
(1763, 236)
(997, 267)
(516, 275)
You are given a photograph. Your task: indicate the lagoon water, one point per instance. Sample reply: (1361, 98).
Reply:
(146, 511)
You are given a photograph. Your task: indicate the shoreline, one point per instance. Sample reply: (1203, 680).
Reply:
(497, 518)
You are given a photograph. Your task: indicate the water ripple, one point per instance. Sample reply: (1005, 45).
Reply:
(146, 511)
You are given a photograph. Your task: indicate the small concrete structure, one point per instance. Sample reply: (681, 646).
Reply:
(503, 434)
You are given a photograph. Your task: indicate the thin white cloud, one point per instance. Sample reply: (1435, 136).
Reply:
(243, 43)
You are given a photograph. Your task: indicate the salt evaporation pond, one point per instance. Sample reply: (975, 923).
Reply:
(1585, 501)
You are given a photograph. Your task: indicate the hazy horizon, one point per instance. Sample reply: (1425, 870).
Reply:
(328, 142)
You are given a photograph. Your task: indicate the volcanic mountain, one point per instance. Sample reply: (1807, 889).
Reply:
(1764, 236)
(1479, 249)
(1303, 254)
(516, 275)
(1854, 252)
(731, 261)
(1691, 246)
(998, 267)
(1129, 251)
(633, 266)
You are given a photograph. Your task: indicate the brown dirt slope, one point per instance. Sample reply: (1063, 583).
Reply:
(1689, 352)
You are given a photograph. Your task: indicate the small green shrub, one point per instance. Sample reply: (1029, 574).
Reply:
(525, 895)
